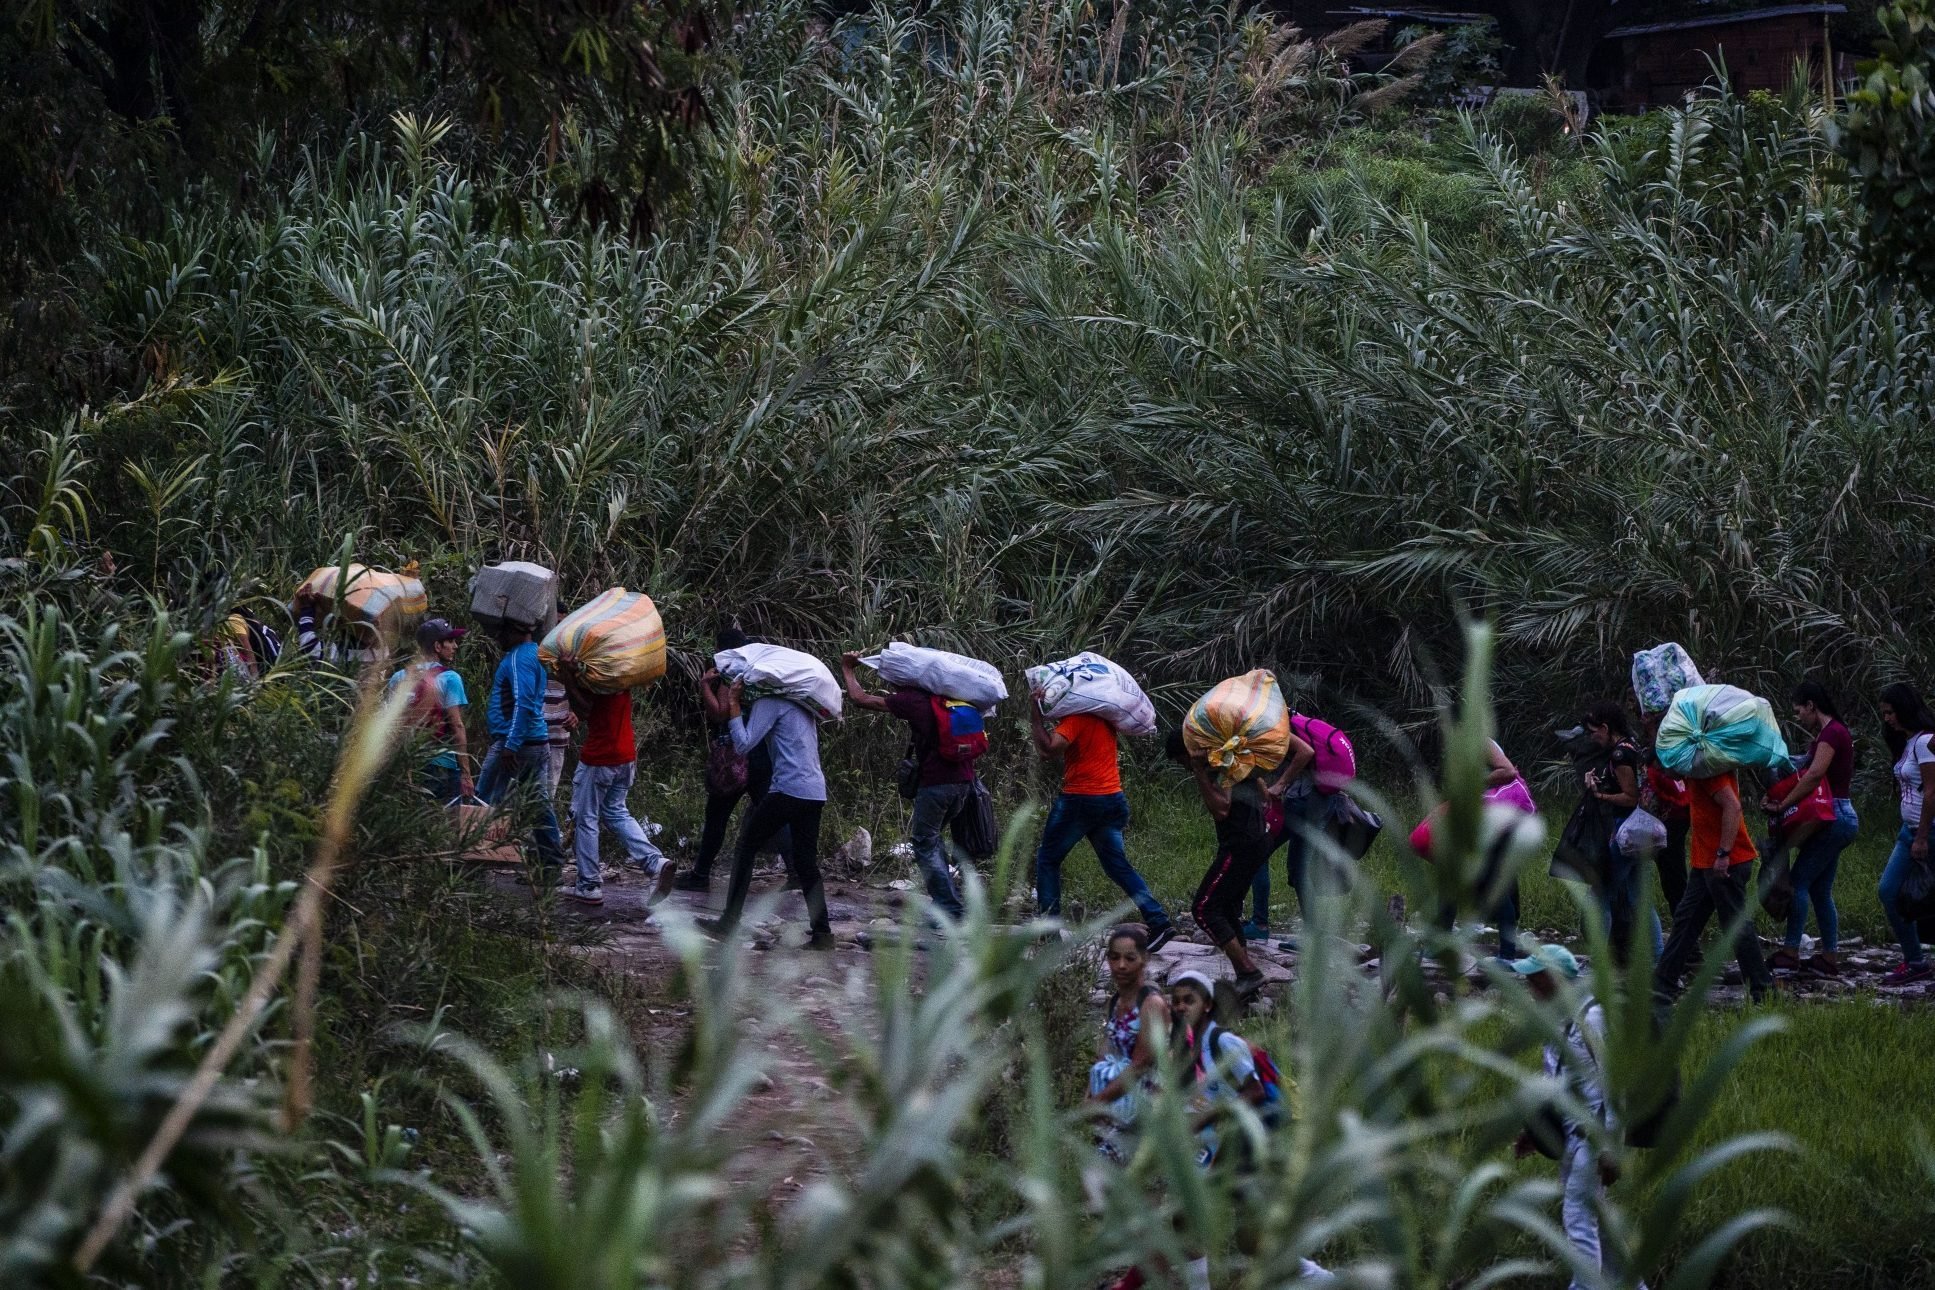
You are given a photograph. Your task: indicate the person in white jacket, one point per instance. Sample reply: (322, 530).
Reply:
(1584, 1175)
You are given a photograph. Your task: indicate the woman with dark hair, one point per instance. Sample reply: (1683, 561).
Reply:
(1911, 740)
(1829, 757)
(1612, 780)
(729, 776)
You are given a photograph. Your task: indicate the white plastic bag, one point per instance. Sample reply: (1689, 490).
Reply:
(1089, 683)
(952, 676)
(775, 672)
(1660, 673)
(1641, 835)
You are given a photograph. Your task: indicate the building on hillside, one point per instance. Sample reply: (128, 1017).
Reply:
(1660, 63)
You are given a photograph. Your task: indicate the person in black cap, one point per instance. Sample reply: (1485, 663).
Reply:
(438, 701)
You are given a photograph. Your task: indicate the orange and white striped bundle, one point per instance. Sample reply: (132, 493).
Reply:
(617, 642)
(389, 604)
(1241, 726)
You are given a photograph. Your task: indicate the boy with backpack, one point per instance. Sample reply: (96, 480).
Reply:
(437, 706)
(948, 737)
(1583, 1179)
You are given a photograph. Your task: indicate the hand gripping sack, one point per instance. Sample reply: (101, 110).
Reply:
(388, 604)
(775, 672)
(1090, 685)
(1240, 726)
(1335, 764)
(952, 676)
(1660, 673)
(617, 642)
(1709, 730)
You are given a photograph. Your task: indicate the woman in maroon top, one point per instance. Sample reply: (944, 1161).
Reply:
(1830, 757)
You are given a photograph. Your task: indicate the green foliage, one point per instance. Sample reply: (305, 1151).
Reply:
(1888, 140)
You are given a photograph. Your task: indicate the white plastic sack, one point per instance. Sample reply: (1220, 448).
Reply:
(1089, 683)
(775, 672)
(952, 676)
(1641, 835)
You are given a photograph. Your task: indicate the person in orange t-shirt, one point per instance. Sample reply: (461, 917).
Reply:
(1722, 857)
(1092, 805)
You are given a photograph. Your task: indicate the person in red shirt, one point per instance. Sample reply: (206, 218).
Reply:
(1091, 805)
(1722, 857)
(607, 765)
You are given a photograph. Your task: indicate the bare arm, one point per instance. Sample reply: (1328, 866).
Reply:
(1628, 794)
(1817, 769)
(1048, 742)
(1216, 799)
(709, 694)
(574, 692)
(857, 693)
(460, 745)
(1502, 771)
(1301, 754)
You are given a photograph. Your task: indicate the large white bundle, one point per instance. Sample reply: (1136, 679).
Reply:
(1089, 683)
(952, 676)
(773, 671)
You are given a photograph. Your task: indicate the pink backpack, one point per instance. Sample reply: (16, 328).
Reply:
(1336, 761)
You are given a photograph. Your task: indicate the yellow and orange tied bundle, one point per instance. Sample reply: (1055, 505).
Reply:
(617, 642)
(388, 604)
(1240, 726)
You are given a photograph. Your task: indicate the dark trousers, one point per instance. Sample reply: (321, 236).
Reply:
(1218, 904)
(718, 814)
(774, 812)
(523, 768)
(1503, 913)
(1671, 863)
(1707, 894)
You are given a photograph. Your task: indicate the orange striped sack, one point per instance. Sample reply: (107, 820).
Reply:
(617, 642)
(1240, 726)
(392, 604)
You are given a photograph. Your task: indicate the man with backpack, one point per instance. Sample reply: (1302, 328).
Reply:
(948, 737)
(437, 706)
(1583, 1176)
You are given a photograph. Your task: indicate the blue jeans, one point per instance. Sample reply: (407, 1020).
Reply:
(599, 797)
(527, 768)
(1298, 813)
(492, 774)
(1813, 878)
(1100, 819)
(935, 807)
(1900, 861)
(1622, 902)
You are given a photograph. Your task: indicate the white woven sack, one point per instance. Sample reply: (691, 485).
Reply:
(1090, 684)
(952, 676)
(775, 672)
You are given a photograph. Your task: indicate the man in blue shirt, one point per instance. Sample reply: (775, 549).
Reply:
(520, 741)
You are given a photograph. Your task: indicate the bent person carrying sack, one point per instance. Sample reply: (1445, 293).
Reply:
(947, 740)
(1091, 805)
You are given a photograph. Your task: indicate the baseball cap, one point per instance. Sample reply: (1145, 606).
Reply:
(1548, 958)
(436, 630)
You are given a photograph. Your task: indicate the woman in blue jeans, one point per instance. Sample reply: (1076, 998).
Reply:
(1830, 758)
(1911, 738)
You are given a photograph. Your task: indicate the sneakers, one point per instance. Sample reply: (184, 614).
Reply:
(714, 927)
(662, 885)
(1908, 974)
(693, 880)
(586, 895)
(1161, 936)
(1249, 985)
(1288, 945)
(821, 942)
(1252, 930)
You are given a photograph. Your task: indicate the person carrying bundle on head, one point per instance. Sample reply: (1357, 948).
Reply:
(1091, 805)
(438, 706)
(947, 737)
